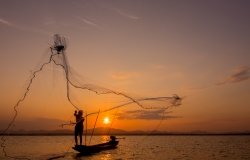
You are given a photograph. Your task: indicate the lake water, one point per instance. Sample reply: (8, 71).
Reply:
(134, 147)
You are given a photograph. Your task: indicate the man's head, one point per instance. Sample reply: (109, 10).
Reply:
(80, 112)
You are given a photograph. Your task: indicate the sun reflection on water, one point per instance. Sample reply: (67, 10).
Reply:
(104, 138)
(106, 156)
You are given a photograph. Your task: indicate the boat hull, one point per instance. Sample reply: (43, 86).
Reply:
(96, 148)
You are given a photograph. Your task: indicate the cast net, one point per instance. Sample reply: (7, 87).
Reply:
(93, 99)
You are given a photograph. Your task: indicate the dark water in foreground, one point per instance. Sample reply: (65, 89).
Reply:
(134, 147)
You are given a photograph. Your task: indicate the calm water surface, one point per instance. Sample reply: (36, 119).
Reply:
(134, 147)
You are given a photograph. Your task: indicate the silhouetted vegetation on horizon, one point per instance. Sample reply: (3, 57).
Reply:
(113, 131)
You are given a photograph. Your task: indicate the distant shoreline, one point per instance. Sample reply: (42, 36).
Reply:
(120, 132)
(134, 134)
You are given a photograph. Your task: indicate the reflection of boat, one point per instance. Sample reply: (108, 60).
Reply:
(84, 149)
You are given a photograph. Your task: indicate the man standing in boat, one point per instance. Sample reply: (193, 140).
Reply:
(79, 126)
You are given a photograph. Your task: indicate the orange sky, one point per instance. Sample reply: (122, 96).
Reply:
(198, 50)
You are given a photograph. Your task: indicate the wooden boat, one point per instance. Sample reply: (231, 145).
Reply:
(84, 149)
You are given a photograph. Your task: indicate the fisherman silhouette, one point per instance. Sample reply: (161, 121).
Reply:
(79, 126)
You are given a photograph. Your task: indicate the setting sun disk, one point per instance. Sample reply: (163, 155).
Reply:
(106, 120)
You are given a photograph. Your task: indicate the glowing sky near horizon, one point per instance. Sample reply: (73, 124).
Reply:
(196, 49)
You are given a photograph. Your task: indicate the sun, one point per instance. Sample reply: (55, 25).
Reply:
(106, 120)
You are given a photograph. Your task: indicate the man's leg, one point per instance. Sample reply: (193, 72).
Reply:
(76, 137)
(80, 138)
